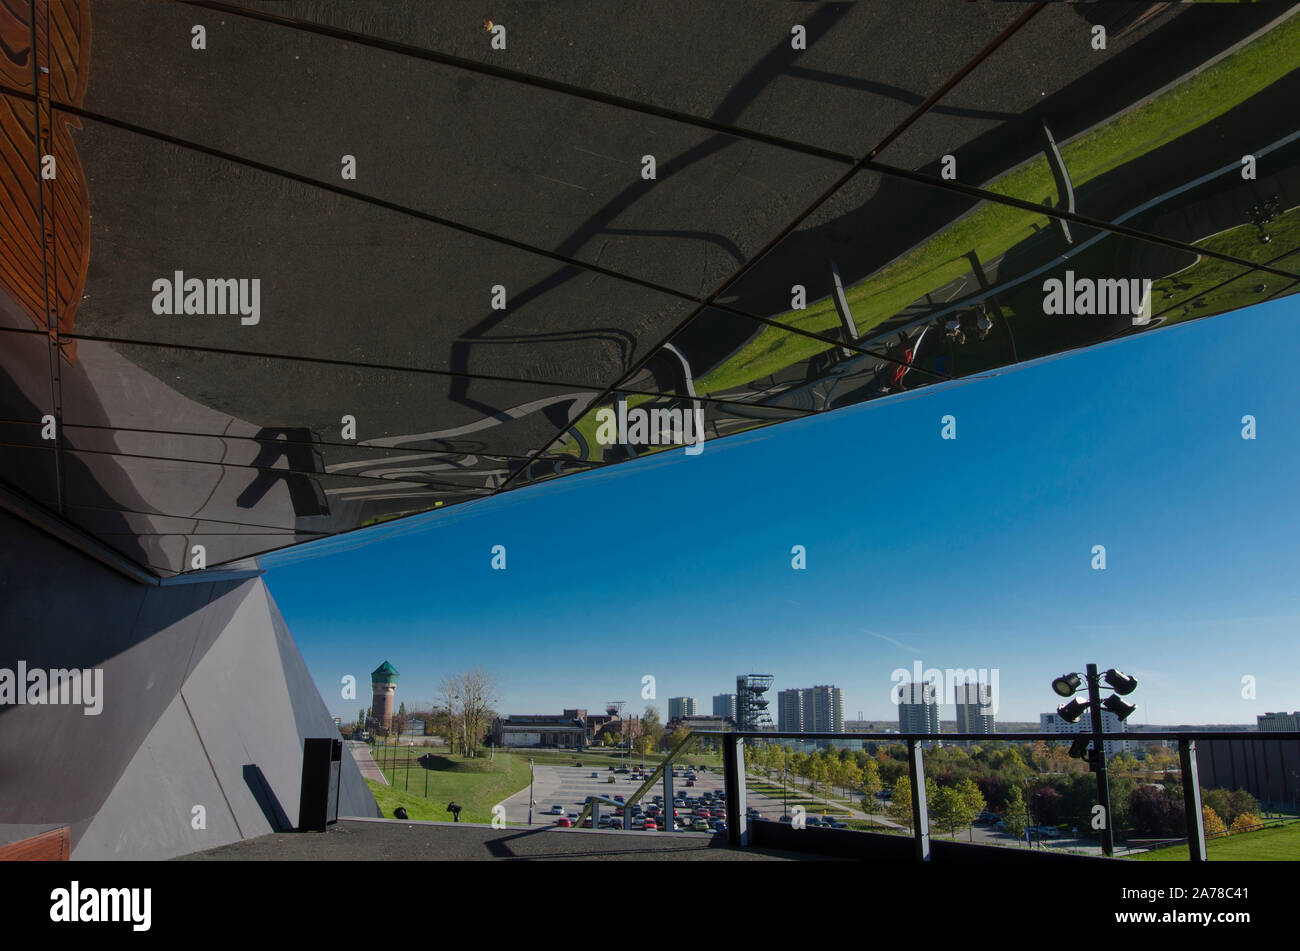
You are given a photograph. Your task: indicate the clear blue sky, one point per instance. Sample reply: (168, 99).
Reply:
(967, 553)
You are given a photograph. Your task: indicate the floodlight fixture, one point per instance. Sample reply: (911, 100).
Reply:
(1120, 682)
(1079, 748)
(1070, 712)
(1066, 684)
(1121, 708)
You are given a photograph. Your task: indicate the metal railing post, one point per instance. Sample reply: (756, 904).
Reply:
(733, 766)
(1192, 801)
(920, 808)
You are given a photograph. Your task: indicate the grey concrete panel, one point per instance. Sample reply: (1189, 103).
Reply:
(149, 814)
(61, 610)
(123, 776)
(253, 703)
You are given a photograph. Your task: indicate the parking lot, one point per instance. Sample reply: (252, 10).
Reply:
(569, 786)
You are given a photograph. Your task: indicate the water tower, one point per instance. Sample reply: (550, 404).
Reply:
(383, 684)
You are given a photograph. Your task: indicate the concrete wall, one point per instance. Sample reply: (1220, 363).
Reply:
(206, 702)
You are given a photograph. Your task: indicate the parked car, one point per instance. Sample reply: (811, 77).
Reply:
(700, 825)
(557, 810)
(651, 825)
(595, 775)
(564, 822)
(834, 824)
(586, 823)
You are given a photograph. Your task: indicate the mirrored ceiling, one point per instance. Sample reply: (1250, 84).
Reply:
(273, 271)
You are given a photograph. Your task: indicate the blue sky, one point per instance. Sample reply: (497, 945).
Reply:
(974, 552)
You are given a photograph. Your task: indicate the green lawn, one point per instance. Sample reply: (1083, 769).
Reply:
(477, 784)
(1279, 844)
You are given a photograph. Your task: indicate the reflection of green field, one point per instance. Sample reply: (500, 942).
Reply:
(992, 230)
(1243, 242)
(1281, 844)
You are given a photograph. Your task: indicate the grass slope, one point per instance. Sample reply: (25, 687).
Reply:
(1279, 844)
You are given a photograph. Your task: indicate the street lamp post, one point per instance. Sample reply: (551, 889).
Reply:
(1123, 685)
(531, 800)
(1099, 747)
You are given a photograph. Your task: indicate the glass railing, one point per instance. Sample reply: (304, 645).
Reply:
(950, 792)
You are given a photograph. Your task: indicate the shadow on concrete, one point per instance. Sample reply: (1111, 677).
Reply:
(266, 799)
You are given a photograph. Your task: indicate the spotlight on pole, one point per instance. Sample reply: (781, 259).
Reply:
(1122, 709)
(1070, 712)
(1066, 684)
(1079, 748)
(1120, 682)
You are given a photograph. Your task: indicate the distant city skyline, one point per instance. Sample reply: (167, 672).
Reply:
(970, 553)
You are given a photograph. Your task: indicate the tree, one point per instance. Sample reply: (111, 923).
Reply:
(1153, 812)
(652, 726)
(1245, 822)
(973, 798)
(869, 780)
(900, 802)
(1213, 824)
(1123, 761)
(850, 777)
(1243, 801)
(469, 696)
(1016, 817)
(1045, 804)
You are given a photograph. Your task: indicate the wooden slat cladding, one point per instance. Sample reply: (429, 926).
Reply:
(16, 44)
(27, 256)
(52, 846)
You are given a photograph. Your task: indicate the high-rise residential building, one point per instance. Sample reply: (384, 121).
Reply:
(724, 705)
(790, 712)
(1053, 723)
(918, 707)
(679, 707)
(1279, 722)
(974, 708)
(827, 703)
(817, 709)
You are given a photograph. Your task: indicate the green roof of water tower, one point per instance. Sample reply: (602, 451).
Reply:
(385, 673)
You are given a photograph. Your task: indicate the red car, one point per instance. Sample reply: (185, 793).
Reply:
(564, 822)
(651, 825)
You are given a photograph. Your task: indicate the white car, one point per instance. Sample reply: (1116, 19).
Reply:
(557, 810)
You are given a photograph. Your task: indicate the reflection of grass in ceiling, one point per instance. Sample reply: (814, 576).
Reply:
(1205, 276)
(995, 229)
